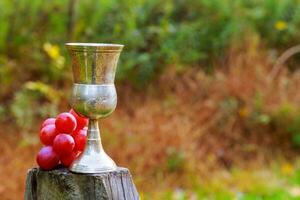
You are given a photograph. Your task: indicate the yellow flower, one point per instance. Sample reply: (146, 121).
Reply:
(60, 62)
(287, 168)
(280, 25)
(52, 50)
(244, 112)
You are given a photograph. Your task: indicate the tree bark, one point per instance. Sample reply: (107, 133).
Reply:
(64, 185)
(71, 19)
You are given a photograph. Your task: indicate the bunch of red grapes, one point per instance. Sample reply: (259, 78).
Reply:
(64, 138)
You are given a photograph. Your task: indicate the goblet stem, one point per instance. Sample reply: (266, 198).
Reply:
(93, 136)
(93, 159)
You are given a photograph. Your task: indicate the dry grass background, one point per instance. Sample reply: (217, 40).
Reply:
(185, 125)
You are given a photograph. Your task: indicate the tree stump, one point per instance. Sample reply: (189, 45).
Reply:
(64, 185)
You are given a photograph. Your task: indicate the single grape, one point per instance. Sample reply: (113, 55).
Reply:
(48, 122)
(80, 140)
(81, 121)
(74, 133)
(47, 134)
(63, 144)
(67, 160)
(65, 123)
(47, 159)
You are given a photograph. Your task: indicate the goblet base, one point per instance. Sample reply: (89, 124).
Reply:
(93, 159)
(93, 163)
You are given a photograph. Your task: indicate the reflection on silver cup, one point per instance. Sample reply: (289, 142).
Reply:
(94, 101)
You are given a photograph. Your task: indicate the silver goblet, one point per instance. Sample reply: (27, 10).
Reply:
(94, 96)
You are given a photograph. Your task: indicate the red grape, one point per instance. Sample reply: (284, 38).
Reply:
(80, 140)
(81, 121)
(67, 160)
(47, 159)
(74, 133)
(65, 123)
(63, 144)
(47, 134)
(48, 122)
(78, 130)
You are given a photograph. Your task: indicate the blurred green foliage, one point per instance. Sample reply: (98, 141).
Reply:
(27, 106)
(156, 34)
(280, 183)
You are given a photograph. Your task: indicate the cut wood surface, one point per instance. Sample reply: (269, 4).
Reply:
(64, 185)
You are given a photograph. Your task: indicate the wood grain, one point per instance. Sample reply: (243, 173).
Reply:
(61, 184)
